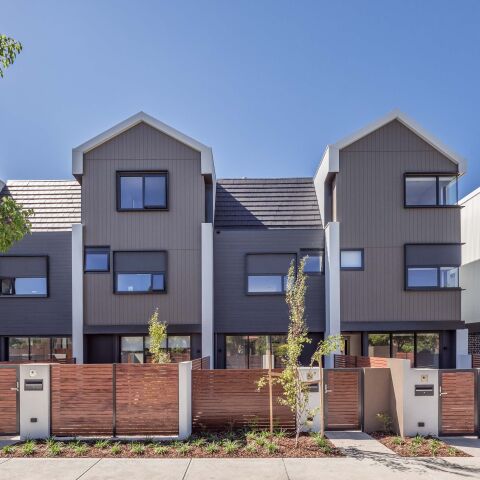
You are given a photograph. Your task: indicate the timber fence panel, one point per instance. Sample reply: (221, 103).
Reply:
(229, 399)
(146, 399)
(81, 400)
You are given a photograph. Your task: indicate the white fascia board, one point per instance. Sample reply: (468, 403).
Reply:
(206, 155)
(414, 127)
(468, 197)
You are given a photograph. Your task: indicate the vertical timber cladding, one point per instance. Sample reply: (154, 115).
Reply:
(146, 399)
(231, 399)
(8, 400)
(343, 399)
(82, 400)
(457, 402)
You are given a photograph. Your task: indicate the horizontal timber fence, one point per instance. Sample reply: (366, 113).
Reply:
(229, 399)
(476, 360)
(111, 399)
(355, 361)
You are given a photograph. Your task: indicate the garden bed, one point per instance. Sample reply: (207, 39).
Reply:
(232, 445)
(418, 446)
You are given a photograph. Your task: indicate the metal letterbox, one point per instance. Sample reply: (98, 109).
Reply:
(424, 390)
(33, 384)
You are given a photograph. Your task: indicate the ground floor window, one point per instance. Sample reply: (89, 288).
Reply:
(39, 348)
(136, 349)
(421, 348)
(250, 351)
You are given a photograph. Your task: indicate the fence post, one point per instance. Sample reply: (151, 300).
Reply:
(184, 400)
(114, 399)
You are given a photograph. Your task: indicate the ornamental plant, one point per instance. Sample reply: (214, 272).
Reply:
(158, 338)
(14, 223)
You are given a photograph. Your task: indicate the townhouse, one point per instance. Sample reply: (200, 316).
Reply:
(147, 225)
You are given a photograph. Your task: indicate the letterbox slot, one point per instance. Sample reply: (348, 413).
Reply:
(33, 385)
(424, 390)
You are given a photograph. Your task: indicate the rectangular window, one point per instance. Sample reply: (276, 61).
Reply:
(379, 345)
(97, 259)
(267, 273)
(136, 349)
(433, 266)
(140, 272)
(39, 349)
(403, 346)
(428, 350)
(23, 276)
(250, 351)
(142, 191)
(351, 259)
(313, 261)
(431, 190)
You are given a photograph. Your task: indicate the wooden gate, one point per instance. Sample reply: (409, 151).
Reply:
(9, 387)
(457, 402)
(343, 399)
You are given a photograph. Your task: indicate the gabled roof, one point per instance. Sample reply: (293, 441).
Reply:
(263, 203)
(207, 166)
(56, 203)
(410, 124)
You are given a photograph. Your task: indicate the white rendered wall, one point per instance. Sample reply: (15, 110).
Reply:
(184, 400)
(207, 291)
(332, 284)
(77, 291)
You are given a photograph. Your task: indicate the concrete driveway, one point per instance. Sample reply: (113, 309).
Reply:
(367, 465)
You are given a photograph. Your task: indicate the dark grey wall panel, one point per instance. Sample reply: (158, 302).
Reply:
(370, 199)
(43, 316)
(236, 312)
(176, 231)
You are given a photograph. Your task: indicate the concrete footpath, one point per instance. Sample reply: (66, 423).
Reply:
(367, 465)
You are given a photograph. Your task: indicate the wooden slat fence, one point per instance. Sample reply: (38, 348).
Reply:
(355, 361)
(82, 400)
(8, 401)
(146, 399)
(476, 360)
(224, 399)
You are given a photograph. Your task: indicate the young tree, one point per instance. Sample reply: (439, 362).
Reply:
(295, 390)
(158, 338)
(325, 347)
(14, 222)
(9, 49)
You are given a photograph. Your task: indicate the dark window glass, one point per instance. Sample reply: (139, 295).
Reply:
(257, 351)
(421, 190)
(131, 192)
(97, 259)
(62, 348)
(134, 282)
(403, 346)
(313, 261)
(18, 349)
(40, 348)
(422, 277)
(179, 348)
(236, 351)
(266, 283)
(379, 345)
(156, 191)
(279, 347)
(158, 282)
(132, 350)
(143, 191)
(24, 286)
(351, 259)
(434, 190)
(428, 350)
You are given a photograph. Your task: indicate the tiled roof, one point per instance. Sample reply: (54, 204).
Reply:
(267, 203)
(56, 203)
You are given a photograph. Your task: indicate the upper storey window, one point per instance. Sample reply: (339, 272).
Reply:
(23, 276)
(142, 190)
(267, 274)
(431, 190)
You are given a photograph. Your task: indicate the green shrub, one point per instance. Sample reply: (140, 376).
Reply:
(230, 446)
(398, 440)
(137, 448)
(212, 447)
(251, 448)
(116, 449)
(8, 450)
(271, 448)
(160, 450)
(102, 444)
(321, 442)
(80, 448)
(280, 433)
(183, 449)
(435, 446)
(54, 448)
(29, 447)
(199, 442)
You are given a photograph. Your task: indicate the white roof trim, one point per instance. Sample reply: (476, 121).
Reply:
(206, 155)
(468, 197)
(412, 125)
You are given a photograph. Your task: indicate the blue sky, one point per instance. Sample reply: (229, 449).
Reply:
(267, 84)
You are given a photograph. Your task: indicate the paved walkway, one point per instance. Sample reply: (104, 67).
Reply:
(354, 443)
(470, 445)
(366, 466)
